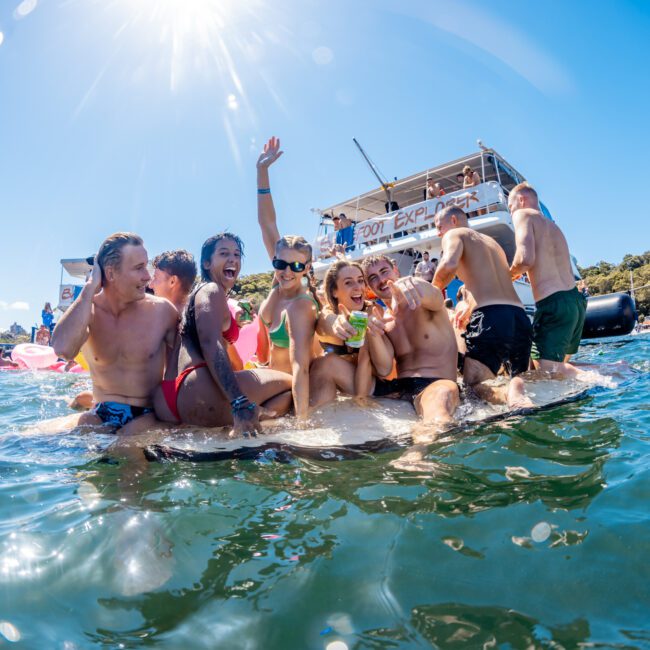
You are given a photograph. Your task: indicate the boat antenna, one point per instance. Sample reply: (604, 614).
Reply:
(378, 175)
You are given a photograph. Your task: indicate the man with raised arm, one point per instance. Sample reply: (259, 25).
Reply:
(498, 330)
(543, 253)
(123, 333)
(418, 337)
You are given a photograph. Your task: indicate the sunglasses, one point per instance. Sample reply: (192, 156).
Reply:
(296, 267)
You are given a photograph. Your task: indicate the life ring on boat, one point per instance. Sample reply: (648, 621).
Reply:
(33, 356)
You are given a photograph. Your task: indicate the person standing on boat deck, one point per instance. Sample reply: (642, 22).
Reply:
(432, 190)
(290, 312)
(498, 331)
(47, 316)
(123, 333)
(345, 233)
(200, 385)
(460, 179)
(416, 334)
(425, 268)
(543, 253)
(470, 177)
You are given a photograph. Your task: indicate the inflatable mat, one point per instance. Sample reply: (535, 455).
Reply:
(346, 429)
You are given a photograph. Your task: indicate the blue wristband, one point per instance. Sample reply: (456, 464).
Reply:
(263, 190)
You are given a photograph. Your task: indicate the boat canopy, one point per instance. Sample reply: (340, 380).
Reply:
(76, 267)
(489, 165)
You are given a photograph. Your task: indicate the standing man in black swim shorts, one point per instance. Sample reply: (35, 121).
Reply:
(498, 330)
(123, 333)
(418, 337)
(543, 253)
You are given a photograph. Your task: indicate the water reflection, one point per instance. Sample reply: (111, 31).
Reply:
(455, 625)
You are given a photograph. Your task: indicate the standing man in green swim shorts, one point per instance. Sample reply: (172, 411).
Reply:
(543, 253)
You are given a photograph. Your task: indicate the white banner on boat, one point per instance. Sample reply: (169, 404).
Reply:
(422, 214)
(67, 295)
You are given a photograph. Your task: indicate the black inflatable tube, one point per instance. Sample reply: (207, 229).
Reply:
(613, 314)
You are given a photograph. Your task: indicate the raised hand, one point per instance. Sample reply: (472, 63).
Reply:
(405, 295)
(378, 321)
(341, 326)
(95, 278)
(270, 154)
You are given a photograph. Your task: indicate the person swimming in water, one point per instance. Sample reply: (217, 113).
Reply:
(123, 333)
(200, 385)
(291, 310)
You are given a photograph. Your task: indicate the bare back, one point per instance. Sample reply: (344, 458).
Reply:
(551, 270)
(126, 353)
(424, 343)
(483, 267)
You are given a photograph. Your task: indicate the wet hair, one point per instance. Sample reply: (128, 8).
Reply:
(110, 251)
(449, 303)
(207, 251)
(331, 278)
(453, 211)
(179, 263)
(367, 262)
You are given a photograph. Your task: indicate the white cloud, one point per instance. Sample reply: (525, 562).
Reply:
(18, 305)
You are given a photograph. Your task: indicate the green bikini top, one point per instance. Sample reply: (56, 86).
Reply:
(280, 336)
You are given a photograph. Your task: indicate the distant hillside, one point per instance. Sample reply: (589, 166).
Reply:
(254, 287)
(607, 278)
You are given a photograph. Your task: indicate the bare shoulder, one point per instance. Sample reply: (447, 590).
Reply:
(161, 306)
(302, 309)
(524, 215)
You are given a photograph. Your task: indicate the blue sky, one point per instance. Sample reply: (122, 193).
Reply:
(148, 115)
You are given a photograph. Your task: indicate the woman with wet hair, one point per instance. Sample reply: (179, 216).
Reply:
(290, 312)
(200, 385)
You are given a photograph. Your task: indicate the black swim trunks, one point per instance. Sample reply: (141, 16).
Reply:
(117, 414)
(500, 335)
(406, 388)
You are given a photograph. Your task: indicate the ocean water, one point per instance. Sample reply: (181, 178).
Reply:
(532, 532)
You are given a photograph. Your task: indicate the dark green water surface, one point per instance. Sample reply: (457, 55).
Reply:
(529, 533)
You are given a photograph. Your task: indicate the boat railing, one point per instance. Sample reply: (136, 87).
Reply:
(475, 201)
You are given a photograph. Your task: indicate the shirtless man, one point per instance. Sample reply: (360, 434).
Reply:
(123, 333)
(174, 273)
(498, 331)
(543, 253)
(418, 337)
(470, 177)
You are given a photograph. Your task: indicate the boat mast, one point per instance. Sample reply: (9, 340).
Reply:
(373, 168)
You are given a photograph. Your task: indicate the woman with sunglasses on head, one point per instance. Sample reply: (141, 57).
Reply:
(200, 385)
(290, 312)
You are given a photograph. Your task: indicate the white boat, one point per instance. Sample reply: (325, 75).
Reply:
(404, 234)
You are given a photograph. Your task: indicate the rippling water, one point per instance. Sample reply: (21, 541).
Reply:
(530, 533)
